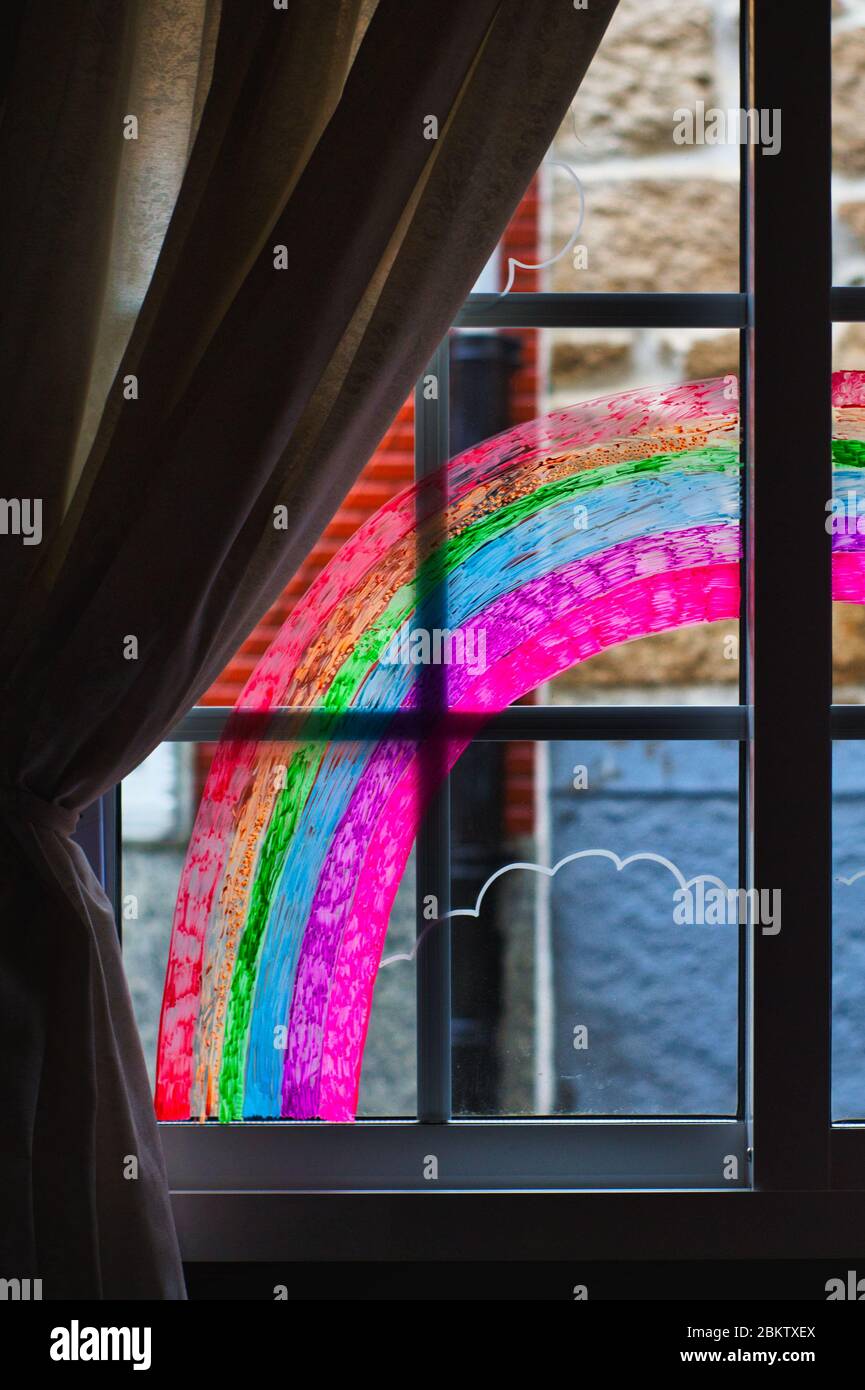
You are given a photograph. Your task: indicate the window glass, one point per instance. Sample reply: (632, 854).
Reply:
(640, 190)
(595, 990)
(676, 666)
(848, 926)
(848, 142)
(158, 803)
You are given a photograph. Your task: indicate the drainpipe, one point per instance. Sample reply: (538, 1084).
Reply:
(481, 368)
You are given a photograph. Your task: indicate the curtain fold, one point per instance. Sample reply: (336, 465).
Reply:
(263, 379)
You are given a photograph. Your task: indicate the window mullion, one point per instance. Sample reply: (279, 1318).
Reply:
(789, 602)
(432, 449)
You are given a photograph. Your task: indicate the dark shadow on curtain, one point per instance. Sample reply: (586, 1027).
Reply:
(256, 386)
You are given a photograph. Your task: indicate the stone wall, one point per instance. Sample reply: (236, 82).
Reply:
(665, 217)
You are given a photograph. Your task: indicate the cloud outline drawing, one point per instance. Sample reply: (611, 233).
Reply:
(644, 856)
(569, 169)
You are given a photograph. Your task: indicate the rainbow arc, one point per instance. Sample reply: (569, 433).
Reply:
(589, 527)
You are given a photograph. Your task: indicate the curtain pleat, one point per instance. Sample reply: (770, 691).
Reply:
(262, 379)
(60, 154)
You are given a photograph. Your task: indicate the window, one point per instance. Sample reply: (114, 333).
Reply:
(732, 766)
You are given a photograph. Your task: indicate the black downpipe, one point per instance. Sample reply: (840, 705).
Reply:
(481, 368)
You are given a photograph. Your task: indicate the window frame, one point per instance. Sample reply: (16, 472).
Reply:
(241, 1191)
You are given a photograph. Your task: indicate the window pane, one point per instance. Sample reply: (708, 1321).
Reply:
(651, 146)
(628, 482)
(157, 812)
(158, 805)
(848, 143)
(389, 471)
(848, 925)
(580, 993)
(388, 1079)
(678, 665)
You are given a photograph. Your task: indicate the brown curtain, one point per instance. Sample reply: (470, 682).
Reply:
(153, 259)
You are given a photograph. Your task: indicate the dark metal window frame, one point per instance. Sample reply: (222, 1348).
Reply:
(556, 1153)
(342, 1192)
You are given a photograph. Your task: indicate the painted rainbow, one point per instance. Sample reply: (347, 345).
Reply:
(589, 527)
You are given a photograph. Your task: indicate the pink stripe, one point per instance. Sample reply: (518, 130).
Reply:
(848, 388)
(848, 577)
